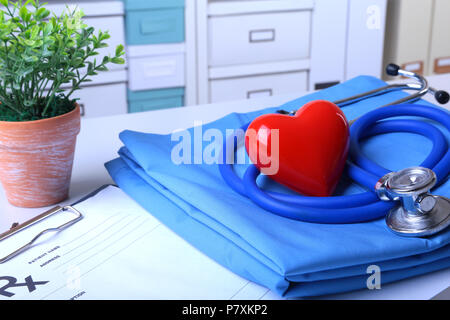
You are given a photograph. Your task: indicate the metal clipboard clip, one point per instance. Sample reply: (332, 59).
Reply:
(16, 228)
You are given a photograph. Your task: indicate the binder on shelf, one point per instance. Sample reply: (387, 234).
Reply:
(440, 46)
(408, 32)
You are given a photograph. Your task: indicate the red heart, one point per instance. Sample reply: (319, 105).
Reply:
(313, 147)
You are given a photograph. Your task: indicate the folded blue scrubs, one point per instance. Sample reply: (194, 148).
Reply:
(292, 258)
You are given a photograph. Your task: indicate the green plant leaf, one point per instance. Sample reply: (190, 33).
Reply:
(48, 27)
(90, 67)
(34, 32)
(23, 13)
(104, 36)
(117, 60)
(32, 2)
(102, 68)
(120, 50)
(42, 13)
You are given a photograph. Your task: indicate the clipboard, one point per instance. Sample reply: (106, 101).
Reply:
(16, 227)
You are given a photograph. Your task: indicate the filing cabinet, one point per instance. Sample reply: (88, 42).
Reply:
(408, 33)
(253, 48)
(439, 61)
(155, 35)
(156, 77)
(257, 86)
(259, 37)
(156, 67)
(217, 50)
(417, 35)
(154, 22)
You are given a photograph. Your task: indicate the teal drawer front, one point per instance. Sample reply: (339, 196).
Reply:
(139, 101)
(164, 103)
(152, 4)
(147, 23)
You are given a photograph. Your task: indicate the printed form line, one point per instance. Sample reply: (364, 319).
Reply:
(97, 235)
(231, 298)
(121, 228)
(97, 226)
(93, 238)
(126, 247)
(265, 293)
(111, 244)
(110, 257)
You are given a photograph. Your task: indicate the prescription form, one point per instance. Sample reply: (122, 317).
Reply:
(117, 251)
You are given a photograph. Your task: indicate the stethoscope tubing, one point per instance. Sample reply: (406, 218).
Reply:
(354, 208)
(438, 162)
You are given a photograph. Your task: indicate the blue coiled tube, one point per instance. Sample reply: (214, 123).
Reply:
(358, 207)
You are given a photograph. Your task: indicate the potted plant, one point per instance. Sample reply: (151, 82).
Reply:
(43, 60)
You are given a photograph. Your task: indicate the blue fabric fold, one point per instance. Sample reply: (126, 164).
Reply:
(292, 258)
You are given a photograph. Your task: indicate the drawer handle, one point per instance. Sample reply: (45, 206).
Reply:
(259, 93)
(159, 69)
(156, 26)
(264, 35)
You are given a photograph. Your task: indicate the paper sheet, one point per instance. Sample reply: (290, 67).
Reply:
(117, 251)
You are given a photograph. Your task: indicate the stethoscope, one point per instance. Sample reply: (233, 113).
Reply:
(402, 197)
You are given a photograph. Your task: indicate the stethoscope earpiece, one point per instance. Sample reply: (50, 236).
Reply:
(442, 97)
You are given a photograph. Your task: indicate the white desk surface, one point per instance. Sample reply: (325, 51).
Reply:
(98, 143)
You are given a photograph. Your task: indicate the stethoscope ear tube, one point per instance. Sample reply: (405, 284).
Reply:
(420, 88)
(358, 207)
(439, 162)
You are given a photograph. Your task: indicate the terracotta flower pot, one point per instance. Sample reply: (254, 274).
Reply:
(36, 159)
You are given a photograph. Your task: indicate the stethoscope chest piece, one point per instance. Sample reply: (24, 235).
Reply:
(419, 213)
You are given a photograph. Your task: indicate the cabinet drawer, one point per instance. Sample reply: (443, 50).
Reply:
(115, 27)
(155, 72)
(257, 86)
(102, 100)
(409, 49)
(440, 49)
(155, 99)
(259, 38)
(155, 26)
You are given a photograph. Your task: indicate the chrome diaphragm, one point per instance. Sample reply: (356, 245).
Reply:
(419, 213)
